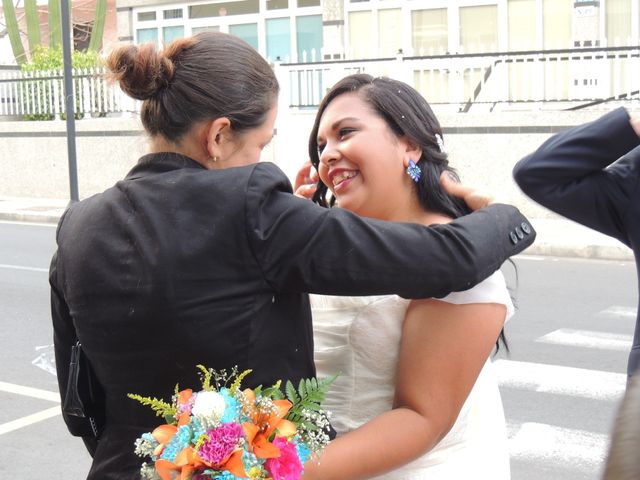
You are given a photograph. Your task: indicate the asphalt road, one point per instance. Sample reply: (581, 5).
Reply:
(561, 383)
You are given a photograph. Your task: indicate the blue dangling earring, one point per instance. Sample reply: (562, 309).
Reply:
(414, 171)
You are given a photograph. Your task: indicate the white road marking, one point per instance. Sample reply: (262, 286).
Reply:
(536, 258)
(588, 339)
(618, 311)
(30, 392)
(570, 381)
(20, 267)
(548, 443)
(29, 419)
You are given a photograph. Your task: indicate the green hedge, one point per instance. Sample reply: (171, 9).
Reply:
(49, 61)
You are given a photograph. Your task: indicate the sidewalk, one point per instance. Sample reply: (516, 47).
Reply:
(556, 237)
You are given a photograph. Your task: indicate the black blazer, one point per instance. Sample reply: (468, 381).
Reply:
(580, 174)
(176, 266)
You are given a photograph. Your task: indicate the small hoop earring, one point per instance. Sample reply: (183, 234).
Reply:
(214, 158)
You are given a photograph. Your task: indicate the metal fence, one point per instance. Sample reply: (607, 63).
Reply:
(40, 95)
(465, 81)
(580, 76)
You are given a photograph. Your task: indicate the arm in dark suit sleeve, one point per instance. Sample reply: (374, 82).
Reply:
(303, 247)
(568, 173)
(64, 337)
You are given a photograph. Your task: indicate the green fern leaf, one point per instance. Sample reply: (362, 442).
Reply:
(291, 393)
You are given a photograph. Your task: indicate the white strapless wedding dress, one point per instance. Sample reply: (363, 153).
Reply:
(359, 337)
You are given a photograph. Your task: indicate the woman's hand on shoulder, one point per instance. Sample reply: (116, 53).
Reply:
(474, 198)
(306, 180)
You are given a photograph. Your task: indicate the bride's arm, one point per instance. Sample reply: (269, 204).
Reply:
(443, 349)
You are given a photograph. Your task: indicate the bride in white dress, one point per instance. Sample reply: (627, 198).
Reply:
(416, 397)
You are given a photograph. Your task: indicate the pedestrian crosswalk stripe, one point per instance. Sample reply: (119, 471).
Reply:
(29, 391)
(618, 311)
(29, 420)
(588, 339)
(22, 267)
(556, 379)
(549, 443)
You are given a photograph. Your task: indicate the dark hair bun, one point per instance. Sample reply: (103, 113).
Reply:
(141, 70)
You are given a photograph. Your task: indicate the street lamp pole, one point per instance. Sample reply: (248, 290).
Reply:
(69, 101)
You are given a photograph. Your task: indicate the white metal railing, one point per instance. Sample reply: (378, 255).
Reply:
(579, 75)
(463, 81)
(40, 95)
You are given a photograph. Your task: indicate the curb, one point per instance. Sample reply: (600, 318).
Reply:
(598, 252)
(30, 217)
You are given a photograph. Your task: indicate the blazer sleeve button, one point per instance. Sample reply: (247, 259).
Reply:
(519, 233)
(525, 228)
(513, 237)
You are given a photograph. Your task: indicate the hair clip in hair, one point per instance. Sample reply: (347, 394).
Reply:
(440, 142)
(414, 171)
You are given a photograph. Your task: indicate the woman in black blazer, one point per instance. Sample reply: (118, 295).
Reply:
(201, 255)
(591, 174)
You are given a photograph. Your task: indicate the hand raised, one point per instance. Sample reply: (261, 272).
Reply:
(306, 180)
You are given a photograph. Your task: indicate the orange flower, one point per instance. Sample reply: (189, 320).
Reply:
(264, 425)
(183, 399)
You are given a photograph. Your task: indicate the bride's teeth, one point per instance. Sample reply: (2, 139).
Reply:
(340, 177)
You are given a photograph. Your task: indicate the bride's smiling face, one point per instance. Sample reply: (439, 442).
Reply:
(361, 160)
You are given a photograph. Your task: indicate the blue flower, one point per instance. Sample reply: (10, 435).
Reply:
(249, 460)
(197, 427)
(227, 476)
(179, 441)
(232, 409)
(303, 451)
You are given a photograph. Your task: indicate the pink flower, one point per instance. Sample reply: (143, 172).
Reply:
(223, 440)
(287, 466)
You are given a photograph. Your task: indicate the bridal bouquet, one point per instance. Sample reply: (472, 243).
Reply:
(223, 432)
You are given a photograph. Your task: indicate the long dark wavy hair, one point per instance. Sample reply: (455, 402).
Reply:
(407, 114)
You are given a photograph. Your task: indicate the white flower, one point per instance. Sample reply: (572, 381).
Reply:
(209, 404)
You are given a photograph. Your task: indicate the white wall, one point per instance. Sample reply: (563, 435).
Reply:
(33, 155)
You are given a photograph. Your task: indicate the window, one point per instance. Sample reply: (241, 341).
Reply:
(174, 13)
(308, 3)
(557, 22)
(479, 28)
(222, 9)
(278, 39)
(522, 25)
(82, 36)
(144, 35)
(146, 16)
(277, 4)
(360, 34)
(247, 32)
(522, 36)
(309, 37)
(169, 34)
(389, 32)
(557, 18)
(618, 22)
(429, 31)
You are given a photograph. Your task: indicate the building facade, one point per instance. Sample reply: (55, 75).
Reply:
(314, 30)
